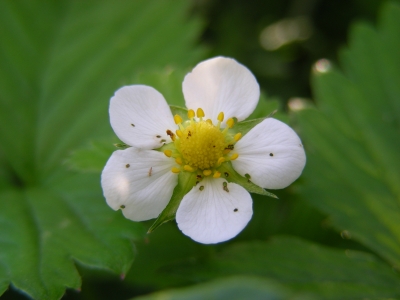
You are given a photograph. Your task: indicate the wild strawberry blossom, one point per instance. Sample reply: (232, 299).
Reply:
(141, 179)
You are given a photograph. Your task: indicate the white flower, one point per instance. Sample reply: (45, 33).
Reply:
(140, 180)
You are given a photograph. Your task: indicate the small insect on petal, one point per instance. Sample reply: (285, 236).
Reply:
(133, 125)
(225, 186)
(127, 165)
(247, 177)
(235, 210)
(150, 171)
(201, 187)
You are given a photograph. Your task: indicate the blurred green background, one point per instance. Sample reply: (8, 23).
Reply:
(334, 233)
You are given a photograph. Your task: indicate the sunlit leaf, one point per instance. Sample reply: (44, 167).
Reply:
(352, 140)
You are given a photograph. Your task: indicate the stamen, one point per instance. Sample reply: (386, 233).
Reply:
(207, 172)
(234, 156)
(209, 121)
(171, 135)
(200, 113)
(217, 174)
(220, 161)
(179, 133)
(237, 136)
(191, 114)
(220, 116)
(188, 168)
(230, 122)
(168, 153)
(175, 170)
(178, 119)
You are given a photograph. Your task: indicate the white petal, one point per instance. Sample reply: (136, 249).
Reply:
(271, 153)
(140, 116)
(139, 182)
(214, 215)
(221, 84)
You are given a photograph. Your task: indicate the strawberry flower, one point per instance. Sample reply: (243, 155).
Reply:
(205, 146)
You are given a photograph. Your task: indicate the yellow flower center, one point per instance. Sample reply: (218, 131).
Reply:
(200, 146)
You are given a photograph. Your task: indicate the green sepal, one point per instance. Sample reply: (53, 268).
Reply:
(121, 146)
(186, 181)
(245, 126)
(177, 110)
(231, 175)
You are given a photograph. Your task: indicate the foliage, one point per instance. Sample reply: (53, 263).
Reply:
(353, 139)
(61, 61)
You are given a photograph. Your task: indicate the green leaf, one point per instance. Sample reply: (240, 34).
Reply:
(303, 267)
(229, 173)
(352, 141)
(265, 107)
(168, 82)
(46, 229)
(163, 247)
(61, 62)
(236, 287)
(93, 157)
(186, 181)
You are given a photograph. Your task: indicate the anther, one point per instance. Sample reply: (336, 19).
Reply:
(230, 122)
(220, 161)
(234, 156)
(179, 133)
(207, 172)
(220, 116)
(237, 136)
(217, 174)
(178, 119)
(209, 121)
(168, 153)
(175, 170)
(178, 160)
(188, 168)
(200, 113)
(171, 134)
(191, 114)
